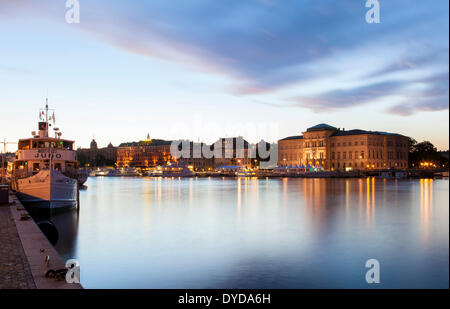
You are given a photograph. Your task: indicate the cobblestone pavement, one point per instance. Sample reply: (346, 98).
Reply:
(15, 271)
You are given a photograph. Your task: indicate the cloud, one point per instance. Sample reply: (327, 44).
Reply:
(266, 45)
(435, 97)
(344, 98)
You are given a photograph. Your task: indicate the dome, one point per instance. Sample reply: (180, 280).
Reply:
(93, 144)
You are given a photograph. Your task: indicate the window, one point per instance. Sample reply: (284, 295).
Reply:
(350, 154)
(356, 143)
(35, 167)
(344, 155)
(362, 155)
(338, 156)
(332, 155)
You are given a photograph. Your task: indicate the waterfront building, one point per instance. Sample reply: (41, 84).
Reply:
(196, 158)
(146, 153)
(94, 156)
(234, 151)
(326, 147)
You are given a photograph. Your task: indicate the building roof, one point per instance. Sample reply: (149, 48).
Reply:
(292, 137)
(320, 127)
(360, 132)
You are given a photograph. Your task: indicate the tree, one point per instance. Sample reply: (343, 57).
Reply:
(82, 158)
(423, 152)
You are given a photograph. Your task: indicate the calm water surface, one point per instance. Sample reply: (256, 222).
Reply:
(258, 233)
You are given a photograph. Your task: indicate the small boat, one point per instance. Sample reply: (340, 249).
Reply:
(129, 172)
(176, 170)
(245, 172)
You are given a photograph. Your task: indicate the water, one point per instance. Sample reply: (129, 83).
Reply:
(258, 233)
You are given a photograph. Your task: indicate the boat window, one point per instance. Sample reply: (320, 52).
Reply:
(41, 145)
(24, 145)
(47, 144)
(35, 145)
(68, 145)
(35, 167)
(58, 166)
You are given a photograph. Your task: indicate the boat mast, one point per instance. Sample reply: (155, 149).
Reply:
(46, 125)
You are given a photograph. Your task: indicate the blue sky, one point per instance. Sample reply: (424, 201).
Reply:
(203, 69)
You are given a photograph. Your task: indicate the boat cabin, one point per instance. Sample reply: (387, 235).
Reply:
(35, 154)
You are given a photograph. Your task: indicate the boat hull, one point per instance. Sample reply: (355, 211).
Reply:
(49, 190)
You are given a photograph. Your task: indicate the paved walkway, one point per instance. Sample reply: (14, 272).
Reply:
(23, 252)
(15, 272)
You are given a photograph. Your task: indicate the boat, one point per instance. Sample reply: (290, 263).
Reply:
(99, 172)
(45, 171)
(127, 172)
(245, 172)
(176, 170)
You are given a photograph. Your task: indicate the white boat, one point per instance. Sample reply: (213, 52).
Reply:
(45, 170)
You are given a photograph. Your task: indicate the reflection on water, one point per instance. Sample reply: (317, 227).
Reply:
(258, 233)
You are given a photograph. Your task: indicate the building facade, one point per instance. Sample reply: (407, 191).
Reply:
(330, 148)
(232, 151)
(148, 153)
(196, 157)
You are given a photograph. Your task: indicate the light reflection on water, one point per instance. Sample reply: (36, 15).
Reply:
(258, 233)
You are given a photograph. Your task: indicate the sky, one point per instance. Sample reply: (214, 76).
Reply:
(204, 69)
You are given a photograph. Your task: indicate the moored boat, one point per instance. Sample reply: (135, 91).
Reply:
(44, 172)
(176, 170)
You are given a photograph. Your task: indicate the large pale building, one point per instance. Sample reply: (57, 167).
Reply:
(331, 148)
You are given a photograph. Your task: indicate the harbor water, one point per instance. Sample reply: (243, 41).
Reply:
(143, 232)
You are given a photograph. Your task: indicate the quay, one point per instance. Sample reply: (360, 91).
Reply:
(24, 250)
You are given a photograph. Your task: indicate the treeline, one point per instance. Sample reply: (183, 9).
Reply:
(99, 160)
(425, 152)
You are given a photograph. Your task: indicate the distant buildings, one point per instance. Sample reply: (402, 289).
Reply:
(94, 156)
(330, 148)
